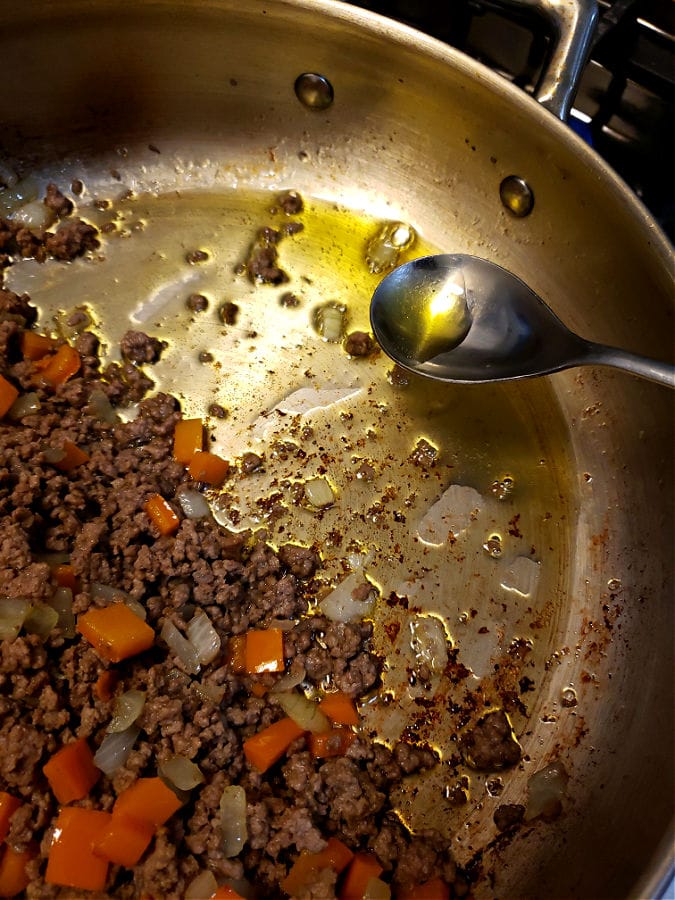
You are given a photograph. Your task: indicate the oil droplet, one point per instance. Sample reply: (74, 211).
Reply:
(569, 697)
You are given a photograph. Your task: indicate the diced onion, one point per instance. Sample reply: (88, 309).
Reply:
(13, 613)
(180, 645)
(33, 215)
(62, 601)
(181, 772)
(193, 504)
(213, 693)
(107, 592)
(41, 620)
(546, 789)
(54, 454)
(137, 608)
(330, 321)
(340, 605)
(204, 638)
(128, 707)
(233, 820)
(52, 559)
(429, 642)
(305, 713)
(115, 749)
(319, 492)
(283, 624)
(101, 408)
(203, 885)
(288, 681)
(24, 405)
(376, 889)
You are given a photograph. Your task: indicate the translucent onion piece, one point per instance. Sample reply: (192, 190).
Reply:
(330, 321)
(203, 885)
(305, 713)
(204, 638)
(33, 215)
(62, 601)
(340, 605)
(429, 642)
(193, 504)
(137, 608)
(54, 454)
(288, 681)
(180, 645)
(319, 492)
(24, 405)
(213, 693)
(107, 592)
(101, 408)
(52, 559)
(128, 707)
(41, 620)
(181, 772)
(233, 820)
(115, 749)
(13, 613)
(376, 889)
(546, 789)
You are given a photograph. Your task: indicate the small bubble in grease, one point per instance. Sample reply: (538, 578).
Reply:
(569, 697)
(503, 486)
(614, 584)
(493, 546)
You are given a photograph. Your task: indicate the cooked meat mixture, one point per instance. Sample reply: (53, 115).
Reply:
(98, 516)
(139, 347)
(491, 744)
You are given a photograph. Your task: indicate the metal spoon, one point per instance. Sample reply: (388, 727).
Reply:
(463, 319)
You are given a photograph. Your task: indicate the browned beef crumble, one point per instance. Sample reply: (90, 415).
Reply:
(94, 516)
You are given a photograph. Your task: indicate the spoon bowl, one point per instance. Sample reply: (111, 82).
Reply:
(460, 318)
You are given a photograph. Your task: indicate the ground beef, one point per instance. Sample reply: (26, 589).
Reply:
(360, 343)
(71, 239)
(138, 347)
(491, 744)
(262, 264)
(93, 517)
(291, 203)
(58, 204)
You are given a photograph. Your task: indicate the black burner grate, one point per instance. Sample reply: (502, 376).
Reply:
(626, 101)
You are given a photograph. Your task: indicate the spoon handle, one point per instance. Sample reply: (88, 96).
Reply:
(651, 369)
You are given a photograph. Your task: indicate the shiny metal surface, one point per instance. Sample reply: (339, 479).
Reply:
(210, 86)
(465, 320)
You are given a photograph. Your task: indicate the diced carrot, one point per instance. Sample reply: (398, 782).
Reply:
(161, 514)
(72, 457)
(236, 654)
(64, 576)
(225, 892)
(340, 708)
(188, 438)
(8, 806)
(115, 632)
(147, 800)
(36, 346)
(72, 861)
(436, 889)
(125, 840)
(362, 868)
(324, 744)
(8, 394)
(264, 651)
(13, 877)
(105, 685)
(61, 366)
(258, 689)
(71, 772)
(335, 855)
(266, 747)
(208, 467)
